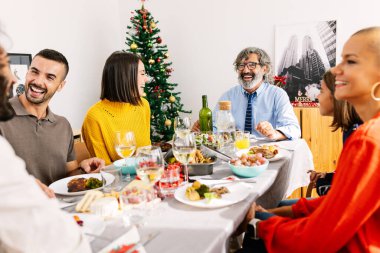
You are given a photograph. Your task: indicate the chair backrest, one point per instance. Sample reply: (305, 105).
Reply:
(81, 151)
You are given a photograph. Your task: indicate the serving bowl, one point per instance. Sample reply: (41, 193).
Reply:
(249, 171)
(196, 169)
(128, 166)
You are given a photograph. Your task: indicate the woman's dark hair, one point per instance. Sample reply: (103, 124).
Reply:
(344, 115)
(119, 80)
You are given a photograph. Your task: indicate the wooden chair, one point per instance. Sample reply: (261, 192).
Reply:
(81, 151)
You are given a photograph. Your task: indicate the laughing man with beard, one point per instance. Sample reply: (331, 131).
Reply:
(41, 138)
(270, 113)
(30, 221)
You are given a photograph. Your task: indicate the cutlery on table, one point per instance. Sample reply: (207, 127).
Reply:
(218, 154)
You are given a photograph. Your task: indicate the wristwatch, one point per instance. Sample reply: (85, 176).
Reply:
(254, 225)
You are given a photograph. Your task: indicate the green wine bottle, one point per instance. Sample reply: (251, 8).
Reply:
(205, 116)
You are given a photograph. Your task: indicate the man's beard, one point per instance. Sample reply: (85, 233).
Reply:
(34, 100)
(6, 110)
(256, 79)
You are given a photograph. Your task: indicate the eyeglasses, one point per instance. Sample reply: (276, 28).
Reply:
(250, 65)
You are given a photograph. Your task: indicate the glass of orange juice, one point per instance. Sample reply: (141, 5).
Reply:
(241, 140)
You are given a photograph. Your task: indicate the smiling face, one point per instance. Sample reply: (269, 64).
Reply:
(326, 101)
(141, 78)
(43, 79)
(359, 69)
(249, 78)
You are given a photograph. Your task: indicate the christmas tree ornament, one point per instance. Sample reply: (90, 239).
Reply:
(168, 122)
(158, 40)
(151, 61)
(166, 55)
(152, 116)
(152, 25)
(162, 70)
(145, 27)
(150, 44)
(172, 99)
(158, 60)
(133, 46)
(164, 107)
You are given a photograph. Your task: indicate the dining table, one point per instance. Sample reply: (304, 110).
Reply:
(185, 228)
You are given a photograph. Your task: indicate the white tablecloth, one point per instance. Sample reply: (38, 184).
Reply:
(185, 228)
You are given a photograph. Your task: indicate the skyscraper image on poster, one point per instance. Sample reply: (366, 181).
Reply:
(303, 53)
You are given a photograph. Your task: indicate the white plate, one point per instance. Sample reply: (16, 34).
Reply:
(60, 186)
(238, 192)
(92, 224)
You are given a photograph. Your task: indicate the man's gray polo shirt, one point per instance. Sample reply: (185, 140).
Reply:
(46, 145)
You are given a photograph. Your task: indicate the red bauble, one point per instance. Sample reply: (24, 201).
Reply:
(158, 60)
(158, 40)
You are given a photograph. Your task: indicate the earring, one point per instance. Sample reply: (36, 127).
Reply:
(373, 92)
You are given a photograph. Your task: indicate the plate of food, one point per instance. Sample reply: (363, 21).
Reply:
(80, 184)
(200, 195)
(270, 152)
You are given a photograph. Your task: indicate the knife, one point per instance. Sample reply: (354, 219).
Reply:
(150, 237)
(217, 153)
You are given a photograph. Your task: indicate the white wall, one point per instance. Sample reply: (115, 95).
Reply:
(86, 32)
(203, 37)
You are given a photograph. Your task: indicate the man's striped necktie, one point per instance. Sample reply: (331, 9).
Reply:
(248, 113)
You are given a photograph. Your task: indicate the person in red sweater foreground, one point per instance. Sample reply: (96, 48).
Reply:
(348, 218)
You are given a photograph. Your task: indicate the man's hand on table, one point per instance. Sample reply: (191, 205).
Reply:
(92, 165)
(196, 127)
(266, 129)
(49, 192)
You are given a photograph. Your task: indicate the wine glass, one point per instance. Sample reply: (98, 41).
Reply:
(125, 146)
(184, 148)
(182, 125)
(150, 164)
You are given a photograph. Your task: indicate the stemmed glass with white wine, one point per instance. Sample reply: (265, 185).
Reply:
(150, 164)
(125, 146)
(184, 148)
(182, 125)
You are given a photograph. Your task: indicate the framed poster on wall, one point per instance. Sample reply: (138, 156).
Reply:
(304, 52)
(19, 64)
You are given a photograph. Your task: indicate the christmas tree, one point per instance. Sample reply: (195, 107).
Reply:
(165, 104)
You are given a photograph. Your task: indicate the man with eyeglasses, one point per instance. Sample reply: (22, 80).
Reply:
(258, 106)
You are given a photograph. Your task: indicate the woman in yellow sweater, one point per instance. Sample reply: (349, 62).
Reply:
(121, 107)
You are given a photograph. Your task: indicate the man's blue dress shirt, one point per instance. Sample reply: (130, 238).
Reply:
(270, 104)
